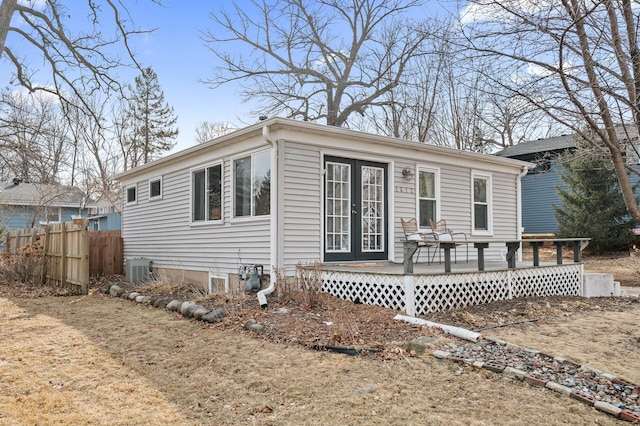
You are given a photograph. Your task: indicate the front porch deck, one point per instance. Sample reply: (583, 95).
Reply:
(433, 268)
(432, 287)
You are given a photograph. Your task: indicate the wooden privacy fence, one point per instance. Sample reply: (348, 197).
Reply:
(106, 253)
(64, 248)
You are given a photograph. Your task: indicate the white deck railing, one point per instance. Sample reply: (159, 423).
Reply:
(423, 294)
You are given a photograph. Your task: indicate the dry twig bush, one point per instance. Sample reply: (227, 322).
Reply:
(310, 284)
(286, 287)
(171, 283)
(26, 266)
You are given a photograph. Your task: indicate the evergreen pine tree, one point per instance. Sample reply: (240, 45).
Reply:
(153, 120)
(593, 206)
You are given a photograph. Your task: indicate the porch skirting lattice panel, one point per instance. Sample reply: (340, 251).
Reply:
(422, 294)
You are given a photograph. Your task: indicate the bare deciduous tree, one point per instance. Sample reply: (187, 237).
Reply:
(208, 130)
(33, 136)
(316, 60)
(78, 64)
(577, 62)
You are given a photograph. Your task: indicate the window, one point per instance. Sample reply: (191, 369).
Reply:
(131, 195)
(482, 203)
(252, 185)
(428, 194)
(207, 194)
(155, 188)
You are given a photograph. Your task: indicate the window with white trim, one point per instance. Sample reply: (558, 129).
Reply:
(206, 194)
(428, 196)
(132, 194)
(155, 189)
(482, 204)
(252, 185)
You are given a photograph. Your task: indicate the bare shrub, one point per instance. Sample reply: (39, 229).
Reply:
(27, 266)
(346, 328)
(310, 284)
(171, 283)
(286, 287)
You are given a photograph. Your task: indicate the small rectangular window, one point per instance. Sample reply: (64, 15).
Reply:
(482, 203)
(207, 194)
(155, 188)
(427, 197)
(252, 176)
(131, 195)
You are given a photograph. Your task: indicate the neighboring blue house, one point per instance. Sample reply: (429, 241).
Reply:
(105, 217)
(27, 205)
(539, 193)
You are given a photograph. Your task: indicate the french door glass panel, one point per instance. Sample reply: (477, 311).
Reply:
(372, 203)
(338, 210)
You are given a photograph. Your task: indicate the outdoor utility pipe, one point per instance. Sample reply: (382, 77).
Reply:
(462, 333)
(273, 230)
(522, 173)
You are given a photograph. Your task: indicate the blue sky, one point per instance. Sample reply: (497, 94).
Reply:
(178, 55)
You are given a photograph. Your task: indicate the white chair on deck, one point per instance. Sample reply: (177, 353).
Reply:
(441, 233)
(414, 234)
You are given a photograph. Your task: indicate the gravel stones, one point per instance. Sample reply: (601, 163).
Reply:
(604, 391)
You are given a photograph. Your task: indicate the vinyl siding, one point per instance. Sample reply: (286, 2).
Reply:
(161, 230)
(455, 203)
(404, 207)
(302, 193)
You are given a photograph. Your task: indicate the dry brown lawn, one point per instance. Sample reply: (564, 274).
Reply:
(81, 360)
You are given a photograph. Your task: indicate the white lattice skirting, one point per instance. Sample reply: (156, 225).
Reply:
(422, 294)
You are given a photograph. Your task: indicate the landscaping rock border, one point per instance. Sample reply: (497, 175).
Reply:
(188, 309)
(603, 391)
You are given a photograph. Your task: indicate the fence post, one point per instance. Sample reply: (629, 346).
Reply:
(45, 252)
(84, 237)
(410, 295)
(63, 253)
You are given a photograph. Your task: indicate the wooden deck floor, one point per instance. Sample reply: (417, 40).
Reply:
(435, 268)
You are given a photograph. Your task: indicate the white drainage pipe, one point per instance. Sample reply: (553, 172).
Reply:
(262, 294)
(462, 333)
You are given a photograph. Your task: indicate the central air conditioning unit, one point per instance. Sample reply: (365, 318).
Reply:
(137, 270)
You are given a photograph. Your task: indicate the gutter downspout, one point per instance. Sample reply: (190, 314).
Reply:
(273, 206)
(522, 173)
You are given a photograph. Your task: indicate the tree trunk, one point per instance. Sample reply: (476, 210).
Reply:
(7, 8)
(625, 184)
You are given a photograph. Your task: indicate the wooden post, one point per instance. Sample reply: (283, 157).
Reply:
(410, 248)
(45, 252)
(481, 247)
(536, 251)
(558, 245)
(84, 237)
(512, 248)
(63, 254)
(447, 246)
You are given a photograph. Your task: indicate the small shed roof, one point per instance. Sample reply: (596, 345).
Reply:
(39, 194)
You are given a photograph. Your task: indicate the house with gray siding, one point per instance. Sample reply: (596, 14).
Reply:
(282, 191)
